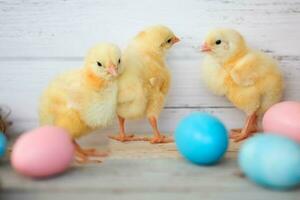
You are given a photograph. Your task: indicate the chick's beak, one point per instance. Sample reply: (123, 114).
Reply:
(112, 70)
(175, 40)
(205, 48)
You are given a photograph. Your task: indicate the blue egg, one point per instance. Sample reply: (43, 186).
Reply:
(271, 160)
(3, 144)
(201, 138)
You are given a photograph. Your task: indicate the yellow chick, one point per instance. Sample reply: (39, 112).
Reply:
(145, 82)
(250, 79)
(84, 99)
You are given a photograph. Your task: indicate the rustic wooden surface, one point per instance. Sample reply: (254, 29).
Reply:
(39, 39)
(140, 171)
(42, 38)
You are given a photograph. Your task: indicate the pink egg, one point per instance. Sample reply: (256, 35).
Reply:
(284, 119)
(43, 152)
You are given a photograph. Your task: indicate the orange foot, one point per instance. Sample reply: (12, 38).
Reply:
(92, 152)
(249, 129)
(127, 138)
(161, 139)
(239, 134)
(85, 155)
(239, 130)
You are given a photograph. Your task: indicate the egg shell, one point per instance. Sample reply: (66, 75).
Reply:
(271, 161)
(43, 152)
(283, 118)
(3, 144)
(201, 138)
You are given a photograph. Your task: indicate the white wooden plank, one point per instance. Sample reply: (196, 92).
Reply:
(138, 177)
(22, 82)
(167, 122)
(139, 169)
(67, 28)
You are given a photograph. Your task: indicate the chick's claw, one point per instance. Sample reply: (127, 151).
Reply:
(234, 134)
(86, 155)
(94, 153)
(84, 159)
(235, 130)
(161, 139)
(238, 136)
(127, 138)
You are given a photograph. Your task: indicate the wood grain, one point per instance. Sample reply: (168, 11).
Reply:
(42, 38)
(29, 78)
(39, 39)
(22, 83)
(141, 178)
(139, 170)
(67, 28)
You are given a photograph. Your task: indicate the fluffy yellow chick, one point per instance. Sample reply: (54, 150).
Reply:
(250, 79)
(84, 99)
(145, 82)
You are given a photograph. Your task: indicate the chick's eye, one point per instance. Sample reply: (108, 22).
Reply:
(218, 42)
(169, 40)
(119, 61)
(99, 64)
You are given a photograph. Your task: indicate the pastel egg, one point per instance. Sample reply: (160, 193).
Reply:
(3, 144)
(271, 161)
(283, 118)
(201, 138)
(43, 152)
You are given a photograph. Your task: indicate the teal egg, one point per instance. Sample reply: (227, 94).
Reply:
(201, 138)
(271, 160)
(3, 144)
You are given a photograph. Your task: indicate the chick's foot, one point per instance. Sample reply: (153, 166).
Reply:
(87, 155)
(158, 137)
(94, 153)
(127, 138)
(161, 139)
(83, 159)
(122, 137)
(238, 136)
(249, 129)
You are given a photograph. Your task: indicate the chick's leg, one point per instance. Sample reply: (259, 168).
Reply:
(84, 155)
(122, 137)
(158, 138)
(249, 129)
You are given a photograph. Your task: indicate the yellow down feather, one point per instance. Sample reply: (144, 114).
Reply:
(250, 79)
(82, 100)
(145, 82)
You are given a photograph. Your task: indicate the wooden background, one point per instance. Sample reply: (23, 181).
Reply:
(39, 39)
